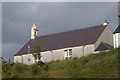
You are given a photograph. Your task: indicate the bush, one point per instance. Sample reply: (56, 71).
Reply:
(20, 68)
(73, 65)
(46, 68)
(7, 67)
(40, 63)
(85, 60)
(35, 69)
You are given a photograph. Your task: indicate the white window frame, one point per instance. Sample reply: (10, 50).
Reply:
(67, 53)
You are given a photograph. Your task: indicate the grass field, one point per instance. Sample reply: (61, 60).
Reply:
(99, 65)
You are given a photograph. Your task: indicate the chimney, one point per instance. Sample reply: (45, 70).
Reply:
(105, 23)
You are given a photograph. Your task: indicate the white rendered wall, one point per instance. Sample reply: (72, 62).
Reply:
(24, 59)
(116, 38)
(89, 49)
(106, 36)
(46, 56)
(18, 59)
(59, 54)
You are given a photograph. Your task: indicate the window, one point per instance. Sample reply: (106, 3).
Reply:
(28, 59)
(68, 53)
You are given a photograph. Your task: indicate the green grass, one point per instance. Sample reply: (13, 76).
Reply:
(99, 65)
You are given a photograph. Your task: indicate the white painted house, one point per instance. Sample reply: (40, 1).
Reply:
(116, 36)
(59, 46)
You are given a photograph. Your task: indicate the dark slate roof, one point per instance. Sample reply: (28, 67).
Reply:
(103, 46)
(65, 39)
(117, 30)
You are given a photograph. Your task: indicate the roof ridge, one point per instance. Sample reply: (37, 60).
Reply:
(70, 31)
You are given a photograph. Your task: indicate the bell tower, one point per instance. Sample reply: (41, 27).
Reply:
(34, 32)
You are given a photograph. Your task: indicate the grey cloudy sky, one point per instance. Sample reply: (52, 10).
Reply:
(50, 17)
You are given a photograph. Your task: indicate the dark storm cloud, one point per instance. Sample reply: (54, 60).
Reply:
(17, 19)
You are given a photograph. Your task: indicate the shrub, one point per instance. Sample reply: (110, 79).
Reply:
(46, 68)
(74, 65)
(7, 67)
(35, 69)
(57, 60)
(85, 60)
(19, 68)
(74, 58)
(40, 63)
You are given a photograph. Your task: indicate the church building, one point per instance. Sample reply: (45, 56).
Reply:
(69, 44)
